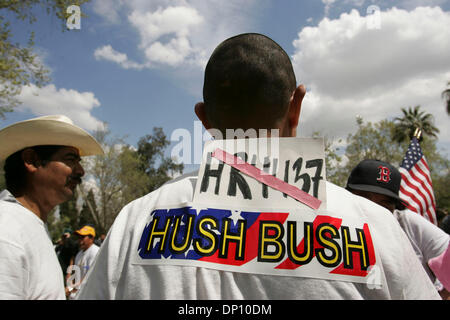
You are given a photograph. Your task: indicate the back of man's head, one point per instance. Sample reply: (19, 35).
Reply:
(248, 83)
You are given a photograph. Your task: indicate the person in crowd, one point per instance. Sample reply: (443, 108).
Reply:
(249, 83)
(445, 224)
(379, 182)
(42, 169)
(440, 266)
(66, 251)
(100, 239)
(85, 257)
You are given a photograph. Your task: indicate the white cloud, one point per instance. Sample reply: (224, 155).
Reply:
(185, 32)
(404, 4)
(171, 20)
(350, 69)
(109, 54)
(176, 23)
(109, 10)
(71, 103)
(328, 4)
(411, 4)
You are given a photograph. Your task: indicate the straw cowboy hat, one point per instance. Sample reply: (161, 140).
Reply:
(47, 130)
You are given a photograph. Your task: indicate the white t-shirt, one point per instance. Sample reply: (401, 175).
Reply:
(85, 259)
(114, 276)
(29, 267)
(427, 240)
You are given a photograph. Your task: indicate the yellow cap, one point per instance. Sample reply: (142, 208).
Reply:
(85, 231)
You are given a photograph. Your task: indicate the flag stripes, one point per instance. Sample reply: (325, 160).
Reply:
(416, 187)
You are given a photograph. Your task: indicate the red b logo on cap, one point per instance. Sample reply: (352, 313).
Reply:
(385, 174)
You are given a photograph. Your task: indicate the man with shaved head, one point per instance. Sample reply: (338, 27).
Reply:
(249, 84)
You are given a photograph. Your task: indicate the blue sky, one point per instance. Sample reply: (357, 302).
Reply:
(138, 64)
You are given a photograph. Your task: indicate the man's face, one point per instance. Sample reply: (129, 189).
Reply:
(85, 242)
(59, 176)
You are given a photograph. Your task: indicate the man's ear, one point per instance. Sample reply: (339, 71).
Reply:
(30, 159)
(295, 106)
(200, 111)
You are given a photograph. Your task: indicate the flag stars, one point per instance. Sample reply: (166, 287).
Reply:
(235, 216)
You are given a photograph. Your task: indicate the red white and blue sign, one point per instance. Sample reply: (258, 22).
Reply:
(258, 242)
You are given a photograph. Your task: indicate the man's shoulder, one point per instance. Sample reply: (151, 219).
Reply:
(413, 222)
(15, 220)
(342, 203)
(340, 199)
(11, 208)
(181, 190)
(173, 192)
(189, 176)
(421, 229)
(8, 202)
(413, 219)
(93, 250)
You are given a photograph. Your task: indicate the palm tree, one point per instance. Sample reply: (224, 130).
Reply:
(412, 119)
(446, 96)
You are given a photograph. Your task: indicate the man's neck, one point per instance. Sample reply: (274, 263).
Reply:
(88, 247)
(39, 208)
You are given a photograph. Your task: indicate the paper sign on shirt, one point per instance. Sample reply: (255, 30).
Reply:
(297, 163)
(262, 213)
(295, 243)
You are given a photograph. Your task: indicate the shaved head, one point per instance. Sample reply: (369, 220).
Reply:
(248, 83)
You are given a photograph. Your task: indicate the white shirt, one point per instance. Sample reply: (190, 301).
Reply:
(29, 267)
(427, 240)
(113, 276)
(85, 259)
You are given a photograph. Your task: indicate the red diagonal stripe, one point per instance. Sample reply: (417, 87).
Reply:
(269, 180)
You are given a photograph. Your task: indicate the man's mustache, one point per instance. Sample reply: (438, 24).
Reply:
(76, 179)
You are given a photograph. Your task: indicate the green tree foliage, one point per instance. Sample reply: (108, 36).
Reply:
(332, 159)
(69, 212)
(371, 141)
(412, 119)
(377, 141)
(440, 186)
(135, 182)
(56, 224)
(88, 210)
(19, 64)
(104, 171)
(69, 216)
(156, 166)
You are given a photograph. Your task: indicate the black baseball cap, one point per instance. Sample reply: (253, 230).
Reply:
(377, 177)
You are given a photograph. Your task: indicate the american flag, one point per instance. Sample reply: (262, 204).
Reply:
(416, 187)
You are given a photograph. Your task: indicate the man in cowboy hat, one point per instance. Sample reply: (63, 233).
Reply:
(42, 169)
